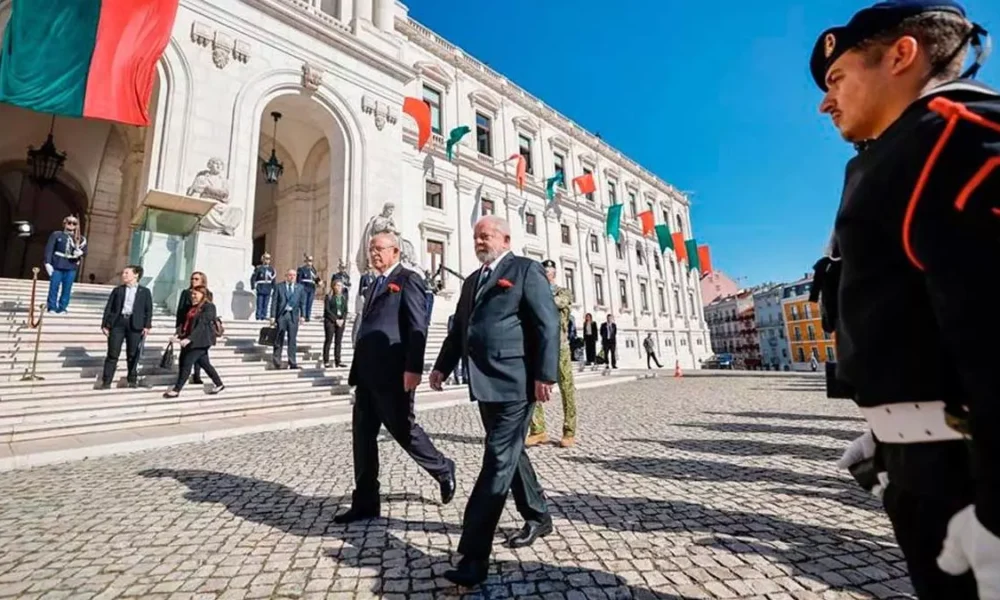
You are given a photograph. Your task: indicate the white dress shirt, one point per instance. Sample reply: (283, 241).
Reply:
(129, 303)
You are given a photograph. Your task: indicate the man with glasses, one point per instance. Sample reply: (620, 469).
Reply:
(62, 261)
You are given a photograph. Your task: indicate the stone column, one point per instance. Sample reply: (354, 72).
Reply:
(384, 16)
(586, 275)
(363, 11)
(513, 205)
(346, 11)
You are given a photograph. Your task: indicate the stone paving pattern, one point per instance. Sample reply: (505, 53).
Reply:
(692, 488)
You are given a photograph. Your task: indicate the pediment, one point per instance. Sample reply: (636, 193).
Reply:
(526, 124)
(484, 100)
(433, 72)
(558, 141)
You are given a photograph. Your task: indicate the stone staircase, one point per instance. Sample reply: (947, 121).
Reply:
(63, 416)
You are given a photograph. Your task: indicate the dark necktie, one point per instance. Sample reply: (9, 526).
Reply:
(483, 277)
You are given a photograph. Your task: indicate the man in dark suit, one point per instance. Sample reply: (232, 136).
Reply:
(387, 367)
(609, 342)
(287, 313)
(128, 317)
(507, 330)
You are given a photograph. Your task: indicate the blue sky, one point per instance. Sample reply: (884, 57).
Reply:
(715, 98)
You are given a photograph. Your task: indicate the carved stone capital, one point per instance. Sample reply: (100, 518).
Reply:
(312, 77)
(382, 112)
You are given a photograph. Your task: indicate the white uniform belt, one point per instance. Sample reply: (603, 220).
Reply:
(64, 255)
(910, 423)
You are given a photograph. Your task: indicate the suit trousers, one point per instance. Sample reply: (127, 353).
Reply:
(335, 335)
(505, 467)
(288, 326)
(122, 331)
(610, 353)
(372, 410)
(193, 358)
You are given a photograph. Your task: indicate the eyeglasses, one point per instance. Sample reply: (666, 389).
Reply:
(377, 249)
(71, 223)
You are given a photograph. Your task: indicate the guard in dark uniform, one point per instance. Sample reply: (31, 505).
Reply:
(307, 277)
(262, 282)
(63, 253)
(914, 264)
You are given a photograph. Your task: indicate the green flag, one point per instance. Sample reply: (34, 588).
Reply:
(663, 236)
(615, 220)
(550, 185)
(692, 250)
(454, 137)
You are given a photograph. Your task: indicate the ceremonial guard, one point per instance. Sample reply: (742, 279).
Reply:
(915, 254)
(262, 282)
(62, 261)
(307, 277)
(564, 301)
(343, 277)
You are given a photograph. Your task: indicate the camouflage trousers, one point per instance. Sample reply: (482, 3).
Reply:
(568, 392)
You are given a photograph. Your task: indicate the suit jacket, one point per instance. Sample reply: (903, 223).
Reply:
(392, 334)
(590, 330)
(282, 300)
(508, 332)
(334, 310)
(184, 304)
(202, 334)
(142, 308)
(609, 333)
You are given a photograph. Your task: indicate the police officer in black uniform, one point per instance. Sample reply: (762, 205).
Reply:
(911, 284)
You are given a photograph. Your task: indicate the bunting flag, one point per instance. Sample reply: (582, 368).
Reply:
(692, 253)
(85, 58)
(421, 113)
(522, 170)
(663, 236)
(550, 185)
(615, 221)
(679, 248)
(585, 183)
(454, 137)
(648, 222)
(705, 259)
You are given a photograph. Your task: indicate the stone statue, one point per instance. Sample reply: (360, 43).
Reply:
(210, 184)
(384, 223)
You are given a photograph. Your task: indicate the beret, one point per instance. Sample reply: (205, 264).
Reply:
(866, 24)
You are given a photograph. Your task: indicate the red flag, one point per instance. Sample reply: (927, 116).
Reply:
(705, 259)
(585, 183)
(648, 222)
(421, 113)
(522, 170)
(680, 248)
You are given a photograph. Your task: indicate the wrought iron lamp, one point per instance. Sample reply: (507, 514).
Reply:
(272, 167)
(45, 162)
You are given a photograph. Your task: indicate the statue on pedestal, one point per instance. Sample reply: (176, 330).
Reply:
(384, 223)
(210, 184)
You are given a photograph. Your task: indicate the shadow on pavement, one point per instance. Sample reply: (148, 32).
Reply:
(839, 434)
(789, 416)
(402, 567)
(747, 448)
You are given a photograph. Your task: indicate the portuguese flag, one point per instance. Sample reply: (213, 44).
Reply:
(85, 58)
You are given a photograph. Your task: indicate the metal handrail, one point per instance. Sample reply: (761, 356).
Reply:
(31, 374)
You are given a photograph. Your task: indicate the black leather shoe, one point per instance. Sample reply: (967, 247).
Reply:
(197, 381)
(469, 573)
(354, 514)
(448, 485)
(528, 534)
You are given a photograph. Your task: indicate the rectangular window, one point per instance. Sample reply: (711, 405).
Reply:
(666, 217)
(599, 289)
(632, 206)
(559, 164)
(435, 251)
(587, 171)
(569, 278)
(433, 99)
(531, 224)
(661, 297)
(694, 313)
(487, 208)
(432, 194)
(612, 193)
(619, 252)
(829, 354)
(524, 148)
(484, 135)
(330, 7)
(644, 297)
(798, 334)
(639, 258)
(657, 263)
(623, 292)
(677, 302)
(594, 246)
(564, 232)
(810, 330)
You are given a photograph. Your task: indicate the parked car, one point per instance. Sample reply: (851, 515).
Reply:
(719, 361)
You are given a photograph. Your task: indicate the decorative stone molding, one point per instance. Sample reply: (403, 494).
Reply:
(583, 230)
(224, 46)
(526, 124)
(514, 202)
(588, 160)
(222, 49)
(533, 249)
(434, 73)
(612, 173)
(241, 51)
(435, 227)
(201, 34)
(558, 142)
(484, 100)
(312, 77)
(383, 112)
(632, 185)
(650, 196)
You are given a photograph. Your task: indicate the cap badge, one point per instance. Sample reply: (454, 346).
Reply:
(829, 44)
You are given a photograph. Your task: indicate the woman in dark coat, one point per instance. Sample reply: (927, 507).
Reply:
(195, 337)
(198, 279)
(590, 338)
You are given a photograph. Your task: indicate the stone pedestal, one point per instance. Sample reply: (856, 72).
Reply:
(227, 261)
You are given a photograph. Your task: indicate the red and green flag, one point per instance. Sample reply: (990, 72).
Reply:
(663, 237)
(705, 258)
(648, 222)
(85, 58)
(692, 253)
(454, 138)
(614, 223)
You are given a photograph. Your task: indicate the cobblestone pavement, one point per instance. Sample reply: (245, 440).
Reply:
(692, 488)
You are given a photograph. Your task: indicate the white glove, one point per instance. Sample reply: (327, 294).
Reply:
(969, 545)
(883, 482)
(49, 269)
(860, 449)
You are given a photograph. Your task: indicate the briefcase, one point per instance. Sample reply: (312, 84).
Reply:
(267, 336)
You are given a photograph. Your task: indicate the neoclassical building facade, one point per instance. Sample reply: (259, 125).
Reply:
(337, 72)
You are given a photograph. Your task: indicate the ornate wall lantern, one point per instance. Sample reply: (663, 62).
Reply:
(272, 167)
(45, 163)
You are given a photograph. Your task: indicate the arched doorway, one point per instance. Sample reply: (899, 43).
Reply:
(45, 208)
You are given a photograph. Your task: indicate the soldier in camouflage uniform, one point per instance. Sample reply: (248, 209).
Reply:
(564, 299)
